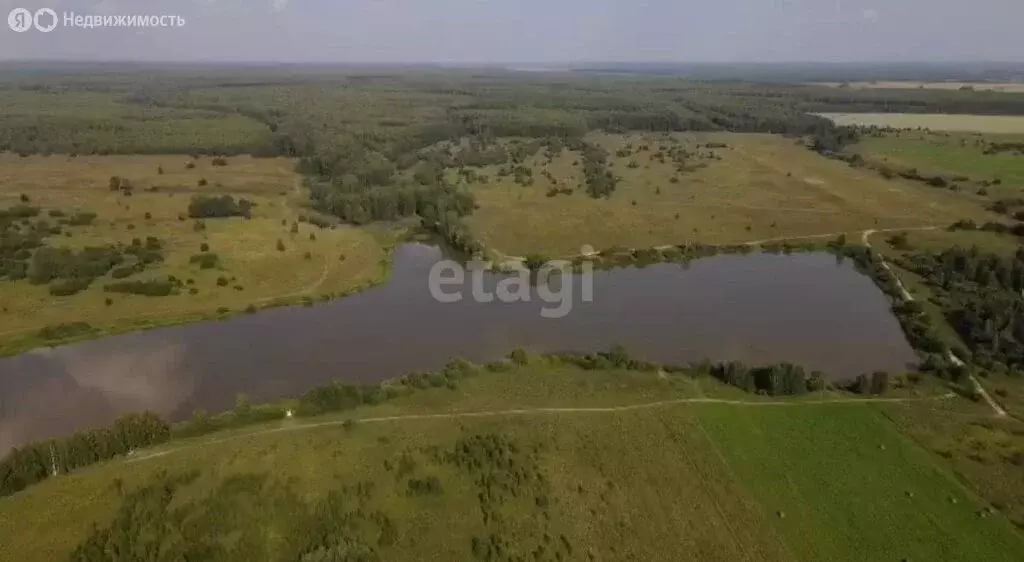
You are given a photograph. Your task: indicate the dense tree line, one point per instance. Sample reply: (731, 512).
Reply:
(38, 461)
(982, 296)
(830, 141)
(841, 100)
(775, 380)
(120, 129)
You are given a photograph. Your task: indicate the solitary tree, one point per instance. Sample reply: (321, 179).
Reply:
(879, 382)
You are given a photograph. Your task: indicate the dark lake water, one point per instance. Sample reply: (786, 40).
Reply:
(807, 309)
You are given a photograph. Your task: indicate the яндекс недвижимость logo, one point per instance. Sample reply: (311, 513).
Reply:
(21, 20)
(46, 20)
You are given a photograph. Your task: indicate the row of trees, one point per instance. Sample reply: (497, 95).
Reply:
(38, 461)
(148, 288)
(775, 380)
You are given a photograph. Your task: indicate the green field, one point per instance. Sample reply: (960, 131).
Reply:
(315, 261)
(1001, 124)
(1008, 87)
(750, 480)
(842, 475)
(950, 154)
(755, 187)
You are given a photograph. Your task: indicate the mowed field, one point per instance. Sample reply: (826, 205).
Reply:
(315, 261)
(759, 187)
(999, 124)
(737, 481)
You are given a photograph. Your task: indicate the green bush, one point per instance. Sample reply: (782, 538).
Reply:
(123, 272)
(203, 206)
(205, 260)
(63, 331)
(68, 287)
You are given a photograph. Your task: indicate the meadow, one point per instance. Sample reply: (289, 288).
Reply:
(950, 154)
(734, 188)
(997, 124)
(250, 269)
(433, 476)
(984, 452)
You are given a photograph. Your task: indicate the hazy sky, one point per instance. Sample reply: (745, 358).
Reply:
(461, 31)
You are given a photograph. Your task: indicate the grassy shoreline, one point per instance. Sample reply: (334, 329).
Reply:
(30, 341)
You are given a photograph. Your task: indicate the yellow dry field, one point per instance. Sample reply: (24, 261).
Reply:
(258, 273)
(757, 188)
(995, 124)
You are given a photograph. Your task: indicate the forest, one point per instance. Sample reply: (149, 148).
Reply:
(982, 296)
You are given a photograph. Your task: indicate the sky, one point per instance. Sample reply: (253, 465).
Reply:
(540, 31)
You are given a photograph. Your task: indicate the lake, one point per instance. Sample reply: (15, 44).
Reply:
(809, 309)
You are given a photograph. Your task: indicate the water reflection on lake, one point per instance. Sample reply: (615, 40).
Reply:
(807, 309)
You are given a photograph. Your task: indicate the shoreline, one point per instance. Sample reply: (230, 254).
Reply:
(28, 342)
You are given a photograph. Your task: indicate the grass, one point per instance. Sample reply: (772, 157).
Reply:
(1007, 390)
(846, 477)
(258, 274)
(985, 453)
(949, 154)
(764, 187)
(1008, 124)
(708, 480)
(936, 241)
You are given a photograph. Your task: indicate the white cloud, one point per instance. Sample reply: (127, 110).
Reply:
(280, 5)
(870, 14)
